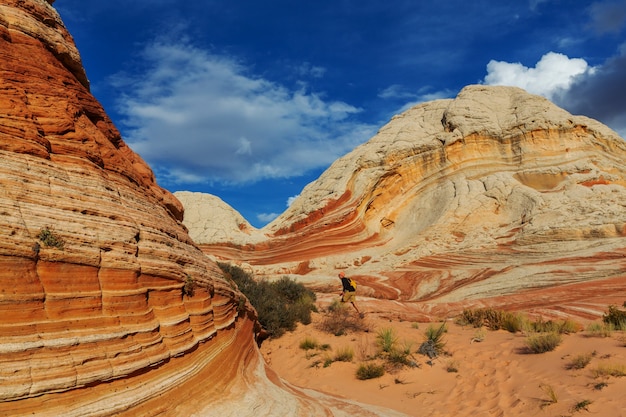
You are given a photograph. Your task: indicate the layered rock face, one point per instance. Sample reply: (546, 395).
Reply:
(97, 312)
(495, 197)
(93, 257)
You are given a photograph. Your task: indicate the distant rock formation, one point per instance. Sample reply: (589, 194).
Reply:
(490, 198)
(107, 307)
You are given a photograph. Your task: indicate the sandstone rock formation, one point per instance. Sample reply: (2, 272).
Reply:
(496, 197)
(97, 316)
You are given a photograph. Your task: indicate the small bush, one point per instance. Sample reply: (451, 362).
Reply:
(339, 320)
(513, 322)
(344, 355)
(549, 390)
(543, 342)
(308, 344)
(582, 405)
(434, 345)
(51, 239)
(386, 339)
(398, 358)
(189, 287)
(551, 326)
(615, 317)
(606, 370)
(493, 319)
(599, 329)
(470, 317)
(369, 371)
(579, 361)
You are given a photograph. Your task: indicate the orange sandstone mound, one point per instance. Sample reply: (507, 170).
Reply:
(107, 307)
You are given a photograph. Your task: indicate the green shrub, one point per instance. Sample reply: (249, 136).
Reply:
(386, 339)
(513, 322)
(579, 361)
(616, 317)
(308, 344)
(555, 326)
(543, 342)
(581, 405)
(492, 319)
(609, 369)
(369, 371)
(51, 239)
(280, 305)
(344, 355)
(434, 345)
(600, 329)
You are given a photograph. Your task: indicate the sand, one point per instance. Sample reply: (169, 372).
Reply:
(493, 377)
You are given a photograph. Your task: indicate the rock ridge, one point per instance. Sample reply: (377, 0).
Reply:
(484, 196)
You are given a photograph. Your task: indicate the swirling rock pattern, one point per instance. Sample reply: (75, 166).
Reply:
(96, 313)
(484, 199)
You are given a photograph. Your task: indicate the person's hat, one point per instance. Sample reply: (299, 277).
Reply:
(342, 274)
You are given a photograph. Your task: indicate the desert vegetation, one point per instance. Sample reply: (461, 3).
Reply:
(189, 286)
(409, 360)
(50, 238)
(514, 322)
(339, 320)
(542, 342)
(280, 304)
(615, 317)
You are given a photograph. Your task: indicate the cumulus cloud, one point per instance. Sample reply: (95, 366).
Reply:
(553, 74)
(200, 117)
(598, 92)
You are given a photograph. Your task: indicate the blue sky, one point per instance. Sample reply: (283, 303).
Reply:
(251, 100)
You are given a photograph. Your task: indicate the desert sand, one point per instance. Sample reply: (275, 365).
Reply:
(493, 377)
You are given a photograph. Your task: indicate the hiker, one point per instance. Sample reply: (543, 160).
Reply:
(348, 292)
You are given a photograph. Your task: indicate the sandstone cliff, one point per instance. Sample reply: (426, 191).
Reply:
(96, 312)
(495, 197)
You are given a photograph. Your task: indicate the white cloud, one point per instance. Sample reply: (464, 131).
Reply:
(290, 200)
(197, 116)
(598, 92)
(553, 74)
(266, 217)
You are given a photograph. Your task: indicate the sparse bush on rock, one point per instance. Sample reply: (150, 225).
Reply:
(49, 238)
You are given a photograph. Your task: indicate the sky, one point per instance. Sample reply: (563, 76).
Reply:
(250, 101)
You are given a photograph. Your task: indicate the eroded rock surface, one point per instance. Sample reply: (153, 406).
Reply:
(96, 313)
(487, 198)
